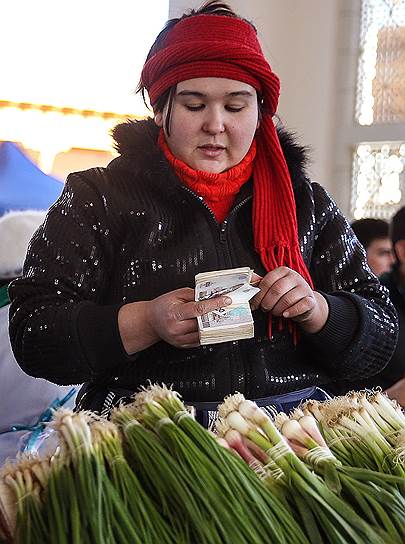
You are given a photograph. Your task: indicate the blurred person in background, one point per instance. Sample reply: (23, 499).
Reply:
(371, 231)
(373, 234)
(393, 376)
(25, 400)
(209, 183)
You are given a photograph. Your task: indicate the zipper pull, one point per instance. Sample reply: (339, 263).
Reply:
(222, 234)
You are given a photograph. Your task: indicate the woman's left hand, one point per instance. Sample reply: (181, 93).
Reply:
(285, 293)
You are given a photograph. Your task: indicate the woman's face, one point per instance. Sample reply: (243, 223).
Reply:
(212, 122)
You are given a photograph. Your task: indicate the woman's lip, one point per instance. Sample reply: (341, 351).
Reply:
(211, 151)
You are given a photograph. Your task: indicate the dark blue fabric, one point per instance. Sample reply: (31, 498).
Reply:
(23, 186)
(206, 411)
(104, 400)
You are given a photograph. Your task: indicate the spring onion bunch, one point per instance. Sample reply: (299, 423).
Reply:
(372, 494)
(82, 503)
(363, 429)
(223, 517)
(154, 474)
(231, 494)
(144, 516)
(325, 515)
(161, 477)
(8, 505)
(21, 497)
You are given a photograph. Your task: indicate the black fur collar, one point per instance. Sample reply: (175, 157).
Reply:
(137, 139)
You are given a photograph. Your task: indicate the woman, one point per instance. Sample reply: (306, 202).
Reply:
(107, 293)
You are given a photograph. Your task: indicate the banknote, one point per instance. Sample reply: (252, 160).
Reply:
(234, 322)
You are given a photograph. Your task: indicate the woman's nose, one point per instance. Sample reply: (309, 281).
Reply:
(214, 122)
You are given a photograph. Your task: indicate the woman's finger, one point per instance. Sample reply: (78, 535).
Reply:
(255, 279)
(289, 299)
(186, 327)
(301, 310)
(280, 288)
(267, 284)
(188, 341)
(184, 294)
(191, 310)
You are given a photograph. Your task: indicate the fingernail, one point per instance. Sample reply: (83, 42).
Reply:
(227, 300)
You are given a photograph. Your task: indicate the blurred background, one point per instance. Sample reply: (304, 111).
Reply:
(69, 69)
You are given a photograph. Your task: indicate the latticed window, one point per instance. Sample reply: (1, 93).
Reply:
(379, 171)
(381, 79)
(379, 166)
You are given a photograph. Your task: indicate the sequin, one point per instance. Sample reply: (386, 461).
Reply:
(115, 238)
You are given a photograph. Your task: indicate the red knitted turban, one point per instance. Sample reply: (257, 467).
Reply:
(227, 47)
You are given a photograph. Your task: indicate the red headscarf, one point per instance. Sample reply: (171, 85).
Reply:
(227, 47)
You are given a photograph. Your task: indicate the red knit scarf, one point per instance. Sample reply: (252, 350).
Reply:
(218, 190)
(227, 47)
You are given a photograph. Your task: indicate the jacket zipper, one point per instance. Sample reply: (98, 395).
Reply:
(201, 200)
(222, 226)
(235, 358)
(222, 231)
(237, 366)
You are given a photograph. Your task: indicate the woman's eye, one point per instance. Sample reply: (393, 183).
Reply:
(234, 108)
(194, 107)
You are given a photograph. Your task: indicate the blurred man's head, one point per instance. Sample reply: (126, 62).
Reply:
(398, 235)
(373, 234)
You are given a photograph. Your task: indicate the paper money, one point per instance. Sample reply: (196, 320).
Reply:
(234, 322)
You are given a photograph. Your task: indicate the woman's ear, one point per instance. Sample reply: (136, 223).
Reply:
(159, 119)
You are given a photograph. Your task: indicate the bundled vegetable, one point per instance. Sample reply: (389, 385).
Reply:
(234, 505)
(330, 472)
(364, 429)
(143, 514)
(22, 509)
(371, 493)
(75, 493)
(325, 513)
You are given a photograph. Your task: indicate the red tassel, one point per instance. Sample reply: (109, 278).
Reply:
(296, 334)
(291, 327)
(270, 327)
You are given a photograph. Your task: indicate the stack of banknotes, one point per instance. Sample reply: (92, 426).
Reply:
(234, 322)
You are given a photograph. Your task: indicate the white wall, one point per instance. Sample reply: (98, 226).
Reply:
(300, 40)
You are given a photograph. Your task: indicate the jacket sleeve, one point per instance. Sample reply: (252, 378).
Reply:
(60, 328)
(360, 334)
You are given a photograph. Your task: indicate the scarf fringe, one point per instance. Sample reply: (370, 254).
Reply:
(284, 255)
(280, 322)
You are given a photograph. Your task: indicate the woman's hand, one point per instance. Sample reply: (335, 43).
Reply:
(284, 292)
(170, 317)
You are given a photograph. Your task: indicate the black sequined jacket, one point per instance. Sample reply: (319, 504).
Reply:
(132, 231)
(395, 370)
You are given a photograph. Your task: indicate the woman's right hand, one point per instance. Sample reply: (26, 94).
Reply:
(170, 317)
